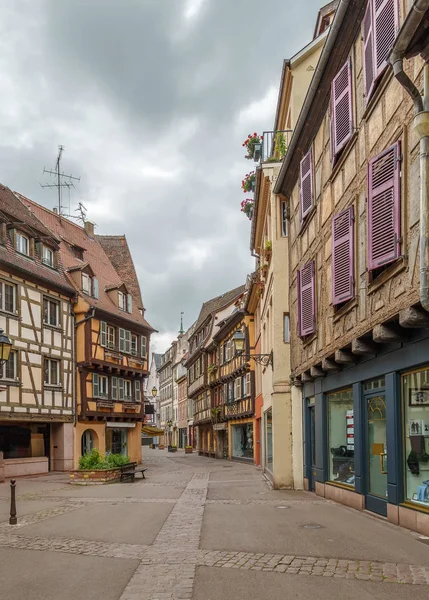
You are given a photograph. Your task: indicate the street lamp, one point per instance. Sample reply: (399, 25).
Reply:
(5, 348)
(169, 424)
(154, 392)
(262, 359)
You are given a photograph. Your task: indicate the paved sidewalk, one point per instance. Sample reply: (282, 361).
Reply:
(199, 529)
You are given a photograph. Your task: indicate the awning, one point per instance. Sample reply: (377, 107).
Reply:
(152, 430)
(120, 425)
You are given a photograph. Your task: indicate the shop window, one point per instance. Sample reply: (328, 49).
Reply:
(24, 441)
(268, 431)
(242, 441)
(415, 399)
(341, 437)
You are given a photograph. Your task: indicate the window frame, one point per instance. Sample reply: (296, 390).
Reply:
(47, 262)
(19, 237)
(14, 355)
(14, 288)
(48, 371)
(86, 278)
(286, 328)
(122, 301)
(47, 311)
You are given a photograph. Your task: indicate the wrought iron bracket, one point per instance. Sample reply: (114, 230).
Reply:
(261, 359)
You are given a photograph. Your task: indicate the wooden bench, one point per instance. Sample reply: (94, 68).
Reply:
(129, 471)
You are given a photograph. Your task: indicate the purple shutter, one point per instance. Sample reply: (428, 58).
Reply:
(306, 179)
(384, 217)
(343, 256)
(385, 26)
(341, 113)
(368, 50)
(307, 299)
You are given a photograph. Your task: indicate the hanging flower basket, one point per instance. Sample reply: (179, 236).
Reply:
(249, 182)
(247, 208)
(253, 146)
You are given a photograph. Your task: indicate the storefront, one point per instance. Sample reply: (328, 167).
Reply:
(241, 443)
(268, 441)
(366, 436)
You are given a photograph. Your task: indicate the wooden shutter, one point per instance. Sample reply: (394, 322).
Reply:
(103, 333)
(248, 384)
(121, 386)
(343, 256)
(368, 50)
(129, 303)
(95, 385)
(114, 388)
(95, 287)
(121, 340)
(385, 26)
(384, 218)
(306, 183)
(127, 341)
(143, 346)
(341, 111)
(307, 300)
(137, 391)
(238, 387)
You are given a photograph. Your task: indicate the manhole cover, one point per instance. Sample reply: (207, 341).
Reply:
(311, 526)
(227, 466)
(282, 506)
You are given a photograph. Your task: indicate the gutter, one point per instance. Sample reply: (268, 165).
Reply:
(312, 91)
(421, 127)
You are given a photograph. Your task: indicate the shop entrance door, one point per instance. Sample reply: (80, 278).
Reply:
(376, 453)
(311, 447)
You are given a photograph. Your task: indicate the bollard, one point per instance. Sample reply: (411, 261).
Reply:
(12, 518)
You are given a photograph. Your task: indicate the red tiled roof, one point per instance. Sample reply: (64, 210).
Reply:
(70, 234)
(12, 210)
(216, 304)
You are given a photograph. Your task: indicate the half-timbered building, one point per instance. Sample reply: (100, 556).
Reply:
(112, 337)
(37, 383)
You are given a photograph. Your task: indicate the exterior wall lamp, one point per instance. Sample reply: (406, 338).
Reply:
(154, 392)
(261, 359)
(5, 348)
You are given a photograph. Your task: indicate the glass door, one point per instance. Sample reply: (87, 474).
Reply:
(312, 420)
(376, 450)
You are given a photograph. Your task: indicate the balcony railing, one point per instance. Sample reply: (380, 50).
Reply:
(274, 146)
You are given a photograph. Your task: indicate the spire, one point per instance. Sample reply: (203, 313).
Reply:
(181, 330)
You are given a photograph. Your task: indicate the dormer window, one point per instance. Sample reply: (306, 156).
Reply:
(125, 302)
(47, 256)
(89, 285)
(22, 244)
(78, 252)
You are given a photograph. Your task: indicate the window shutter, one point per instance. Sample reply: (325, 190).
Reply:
(127, 341)
(121, 385)
(307, 300)
(238, 387)
(122, 340)
(143, 346)
(129, 303)
(95, 287)
(306, 181)
(341, 112)
(385, 25)
(114, 388)
(103, 333)
(343, 256)
(95, 385)
(368, 50)
(137, 391)
(248, 387)
(384, 194)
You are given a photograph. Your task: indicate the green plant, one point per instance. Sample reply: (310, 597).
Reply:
(93, 461)
(248, 182)
(250, 143)
(212, 368)
(188, 447)
(280, 146)
(268, 246)
(247, 208)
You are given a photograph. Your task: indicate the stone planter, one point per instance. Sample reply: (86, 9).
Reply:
(89, 477)
(188, 450)
(161, 446)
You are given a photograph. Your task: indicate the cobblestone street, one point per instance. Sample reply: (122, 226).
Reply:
(190, 530)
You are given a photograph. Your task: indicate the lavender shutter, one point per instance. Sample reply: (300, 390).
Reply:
(368, 50)
(384, 194)
(343, 256)
(306, 180)
(342, 114)
(307, 300)
(385, 25)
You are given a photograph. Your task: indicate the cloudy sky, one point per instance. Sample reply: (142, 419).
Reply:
(152, 100)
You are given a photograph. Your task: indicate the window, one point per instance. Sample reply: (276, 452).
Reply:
(122, 301)
(125, 341)
(341, 109)
(51, 371)
(10, 369)
(306, 300)
(384, 216)
(143, 340)
(121, 388)
(100, 386)
(107, 335)
(114, 388)
(306, 184)
(286, 329)
(47, 256)
(283, 218)
(22, 244)
(343, 256)
(51, 312)
(133, 345)
(238, 388)
(379, 27)
(7, 297)
(137, 391)
(415, 400)
(77, 252)
(341, 437)
(86, 283)
(127, 390)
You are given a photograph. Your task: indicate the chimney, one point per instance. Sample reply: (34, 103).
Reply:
(89, 228)
(55, 210)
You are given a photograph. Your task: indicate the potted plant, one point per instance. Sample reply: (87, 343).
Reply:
(161, 446)
(188, 449)
(253, 145)
(249, 182)
(173, 448)
(247, 208)
(215, 413)
(268, 250)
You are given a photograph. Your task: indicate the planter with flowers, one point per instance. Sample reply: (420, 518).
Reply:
(253, 145)
(268, 251)
(249, 182)
(188, 449)
(247, 208)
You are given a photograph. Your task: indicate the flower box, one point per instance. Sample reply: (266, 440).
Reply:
(188, 449)
(93, 477)
(161, 446)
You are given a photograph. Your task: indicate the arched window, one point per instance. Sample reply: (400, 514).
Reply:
(88, 441)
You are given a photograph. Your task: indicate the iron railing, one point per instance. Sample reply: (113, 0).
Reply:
(274, 146)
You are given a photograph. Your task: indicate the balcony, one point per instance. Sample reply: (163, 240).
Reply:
(196, 384)
(274, 146)
(238, 408)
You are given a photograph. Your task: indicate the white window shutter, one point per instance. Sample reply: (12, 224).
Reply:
(95, 287)
(121, 383)
(129, 303)
(114, 388)
(248, 386)
(122, 340)
(95, 385)
(143, 346)
(137, 390)
(127, 341)
(103, 333)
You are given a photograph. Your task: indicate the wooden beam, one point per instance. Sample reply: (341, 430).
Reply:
(387, 334)
(413, 317)
(306, 377)
(329, 366)
(315, 372)
(344, 357)
(363, 347)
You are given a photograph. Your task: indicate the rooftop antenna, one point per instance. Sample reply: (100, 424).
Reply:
(81, 209)
(182, 331)
(62, 180)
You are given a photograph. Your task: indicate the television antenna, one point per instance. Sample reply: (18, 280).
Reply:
(62, 181)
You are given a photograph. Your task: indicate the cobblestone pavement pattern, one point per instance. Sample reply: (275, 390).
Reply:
(167, 564)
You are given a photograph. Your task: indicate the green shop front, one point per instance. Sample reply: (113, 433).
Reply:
(366, 434)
